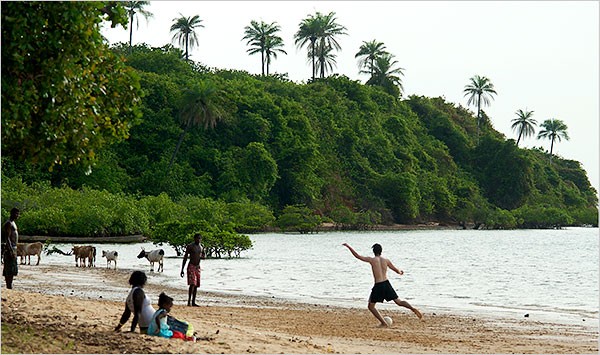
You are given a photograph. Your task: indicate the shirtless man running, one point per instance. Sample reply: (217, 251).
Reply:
(195, 252)
(382, 289)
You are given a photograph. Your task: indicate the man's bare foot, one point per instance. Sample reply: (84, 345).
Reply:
(195, 305)
(416, 311)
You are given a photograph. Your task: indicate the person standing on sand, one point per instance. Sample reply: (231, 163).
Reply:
(383, 288)
(10, 238)
(195, 252)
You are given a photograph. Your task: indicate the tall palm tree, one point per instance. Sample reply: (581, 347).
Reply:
(368, 53)
(198, 108)
(264, 40)
(185, 34)
(387, 75)
(480, 90)
(319, 27)
(553, 130)
(134, 8)
(325, 58)
(272, 47)
(524, 124)
(307, 33)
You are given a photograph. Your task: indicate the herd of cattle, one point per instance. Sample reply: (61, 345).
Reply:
(85, 255)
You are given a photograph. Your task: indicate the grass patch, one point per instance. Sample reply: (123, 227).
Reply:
(23, 339)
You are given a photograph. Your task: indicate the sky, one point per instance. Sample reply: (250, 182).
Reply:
(541, 56)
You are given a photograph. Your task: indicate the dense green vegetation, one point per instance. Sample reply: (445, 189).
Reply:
(225, 152)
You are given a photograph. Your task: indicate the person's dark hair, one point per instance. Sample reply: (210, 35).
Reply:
(163, 300)
(376, 249)
(14, 211)
(138, 278)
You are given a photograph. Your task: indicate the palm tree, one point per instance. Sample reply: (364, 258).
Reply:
(387, 75)
(133, 8)
(325, 58)
(480, 90)
(524, 124)
(368, 53)
(308, 33)
(198, 108)
(184, 31)
(263, 39)
(553, 130)
(322, 28)
(272, 46)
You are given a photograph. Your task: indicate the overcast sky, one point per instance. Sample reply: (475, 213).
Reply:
(540, 56)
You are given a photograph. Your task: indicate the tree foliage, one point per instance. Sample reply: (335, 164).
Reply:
(334, 150)
(65, 95)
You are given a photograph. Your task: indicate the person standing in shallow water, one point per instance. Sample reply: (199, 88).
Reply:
(383, 288)
(10, 238)
(195, 252)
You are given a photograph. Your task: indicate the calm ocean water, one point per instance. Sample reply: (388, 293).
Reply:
(550, 274)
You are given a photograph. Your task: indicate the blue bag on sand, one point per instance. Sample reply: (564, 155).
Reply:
(180, 326)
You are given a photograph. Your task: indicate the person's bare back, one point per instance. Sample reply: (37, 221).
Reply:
(379, 266)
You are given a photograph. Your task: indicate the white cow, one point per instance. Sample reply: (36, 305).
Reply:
(154, 256)
(110, 256)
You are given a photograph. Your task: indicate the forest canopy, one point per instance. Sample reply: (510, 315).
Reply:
(143, 124)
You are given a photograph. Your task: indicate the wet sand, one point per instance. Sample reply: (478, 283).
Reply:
(65, 309)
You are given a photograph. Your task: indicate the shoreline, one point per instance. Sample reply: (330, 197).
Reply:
(87, 303)
(325, 228)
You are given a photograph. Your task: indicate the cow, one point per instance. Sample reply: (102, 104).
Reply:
(82, 253)
(154, 256)
(110, 256)
(26, 250)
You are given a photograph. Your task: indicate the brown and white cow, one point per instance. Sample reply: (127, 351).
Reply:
(83, 252)
(26, 250)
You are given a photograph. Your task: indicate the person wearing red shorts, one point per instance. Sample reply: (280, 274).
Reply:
(195, 253)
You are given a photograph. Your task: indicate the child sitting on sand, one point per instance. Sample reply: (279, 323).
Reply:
(158, 325)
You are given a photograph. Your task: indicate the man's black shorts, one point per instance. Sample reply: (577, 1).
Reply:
(382, 290)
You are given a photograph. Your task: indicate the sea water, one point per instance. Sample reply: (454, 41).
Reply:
(552, 275)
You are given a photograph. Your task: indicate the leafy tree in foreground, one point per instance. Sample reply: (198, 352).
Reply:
(64, 93)
(185, 34)
(553, 130)
(479, 90)
(524, 124)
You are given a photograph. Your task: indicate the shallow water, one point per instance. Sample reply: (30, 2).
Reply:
(550, 274)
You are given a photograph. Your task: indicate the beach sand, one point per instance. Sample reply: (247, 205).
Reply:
(54, 309)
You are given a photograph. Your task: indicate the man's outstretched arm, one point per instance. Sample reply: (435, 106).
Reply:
(356, 255)
(394, 268)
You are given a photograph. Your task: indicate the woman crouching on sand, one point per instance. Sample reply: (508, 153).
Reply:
(137, 303)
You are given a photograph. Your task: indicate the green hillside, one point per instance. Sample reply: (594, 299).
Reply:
(347, 151)
(110, 141)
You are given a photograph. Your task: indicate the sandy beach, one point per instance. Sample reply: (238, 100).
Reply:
(55, 309)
